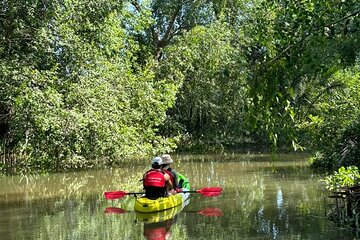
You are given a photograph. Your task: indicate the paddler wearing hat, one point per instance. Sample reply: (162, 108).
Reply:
(157, 182)
(166, 161)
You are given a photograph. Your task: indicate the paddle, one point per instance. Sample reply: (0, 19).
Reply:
(118, 194)
(208, 212)
(207, 192)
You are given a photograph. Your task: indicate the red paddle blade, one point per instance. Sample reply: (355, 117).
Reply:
(115, 195)
(210, 192)
(211, 189)
(211, 212)
(110, 210)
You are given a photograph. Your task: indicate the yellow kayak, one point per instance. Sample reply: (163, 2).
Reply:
(160, 216)
(146, 205)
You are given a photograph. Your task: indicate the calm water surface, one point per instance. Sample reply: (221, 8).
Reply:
(264, 197)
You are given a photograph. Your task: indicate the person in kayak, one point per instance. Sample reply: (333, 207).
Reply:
(166, 161)
(156, 182)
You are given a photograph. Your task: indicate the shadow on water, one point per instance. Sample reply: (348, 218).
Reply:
(263, 198)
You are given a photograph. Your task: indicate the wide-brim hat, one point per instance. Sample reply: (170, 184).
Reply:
(166, 159)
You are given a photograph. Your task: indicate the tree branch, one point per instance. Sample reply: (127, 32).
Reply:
(290, 46)
(136, 5)
(311, 103)
(160, 44)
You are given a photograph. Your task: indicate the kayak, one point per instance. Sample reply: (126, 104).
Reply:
(146, 205)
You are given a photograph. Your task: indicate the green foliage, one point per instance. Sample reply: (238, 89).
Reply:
(78, 97)
(343, 177)
(293, 54)
(333, 122)
(93, 82)
(212, 95)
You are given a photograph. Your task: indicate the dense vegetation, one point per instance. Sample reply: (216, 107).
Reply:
(87, 83)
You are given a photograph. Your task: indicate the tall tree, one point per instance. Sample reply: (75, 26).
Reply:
(171, 19)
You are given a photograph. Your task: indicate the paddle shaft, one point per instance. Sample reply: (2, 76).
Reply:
(208, 192)
(192, 191)
(205, 190)
(119, 194)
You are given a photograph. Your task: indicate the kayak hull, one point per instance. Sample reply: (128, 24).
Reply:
(146, 205)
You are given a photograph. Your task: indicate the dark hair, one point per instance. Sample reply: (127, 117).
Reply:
(156, 166)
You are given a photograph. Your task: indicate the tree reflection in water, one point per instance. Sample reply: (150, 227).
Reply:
(262, 199)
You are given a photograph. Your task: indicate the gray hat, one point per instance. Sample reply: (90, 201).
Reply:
(166, 159)
(157, 160)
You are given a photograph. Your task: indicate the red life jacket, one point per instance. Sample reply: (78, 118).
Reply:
(154, 178)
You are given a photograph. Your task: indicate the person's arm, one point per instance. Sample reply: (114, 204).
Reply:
(168, 181)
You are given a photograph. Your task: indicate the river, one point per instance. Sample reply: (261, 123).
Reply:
(264, 197)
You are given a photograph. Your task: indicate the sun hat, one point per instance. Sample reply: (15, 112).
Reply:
(157, 161)
(166, 159)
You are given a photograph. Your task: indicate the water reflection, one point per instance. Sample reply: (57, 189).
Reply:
(158, 231)
(211, 212)
(162, 230)
(279, 198)
(158, 225)
(263, 198)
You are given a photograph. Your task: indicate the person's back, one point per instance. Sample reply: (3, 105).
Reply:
(156, 181)
(166, 161)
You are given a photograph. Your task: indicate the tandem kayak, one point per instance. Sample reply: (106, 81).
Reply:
(146, 205)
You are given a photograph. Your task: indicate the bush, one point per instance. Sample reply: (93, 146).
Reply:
(344, 177)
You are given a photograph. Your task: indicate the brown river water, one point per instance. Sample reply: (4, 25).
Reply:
(264, 197)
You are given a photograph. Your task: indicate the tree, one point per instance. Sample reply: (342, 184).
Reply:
(333, 123)
(75, 92)
(210, 103)
(296, 47)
